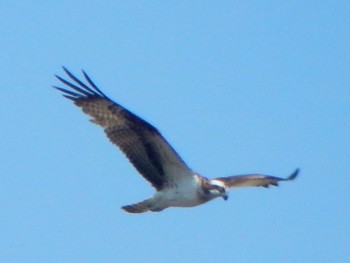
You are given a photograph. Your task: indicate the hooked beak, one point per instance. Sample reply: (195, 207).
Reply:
(225, 197)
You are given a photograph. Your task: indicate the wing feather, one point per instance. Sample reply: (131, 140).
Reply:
(254, 180)
(142, 143)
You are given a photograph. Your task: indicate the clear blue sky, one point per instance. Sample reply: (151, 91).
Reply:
(235, 86)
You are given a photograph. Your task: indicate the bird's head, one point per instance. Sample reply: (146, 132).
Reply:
(217, 189)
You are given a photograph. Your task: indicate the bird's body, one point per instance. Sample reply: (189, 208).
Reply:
(182, 194)
(152, 156)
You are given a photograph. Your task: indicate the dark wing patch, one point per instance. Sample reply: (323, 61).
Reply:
(133, 146)
(255, 180)
(141, 142)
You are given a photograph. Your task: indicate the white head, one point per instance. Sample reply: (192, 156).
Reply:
(217, 189)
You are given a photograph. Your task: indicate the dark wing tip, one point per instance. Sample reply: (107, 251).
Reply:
(93, 84)
(68, 94)
(79, 88)
(65, 69)
(293, 175)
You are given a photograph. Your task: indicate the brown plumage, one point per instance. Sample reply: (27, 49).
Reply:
(152, 156)
(137, 139)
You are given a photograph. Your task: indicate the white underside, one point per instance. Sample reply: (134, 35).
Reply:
(184, 194)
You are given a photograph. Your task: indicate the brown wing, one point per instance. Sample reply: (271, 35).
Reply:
(142, 143)
(254, 180)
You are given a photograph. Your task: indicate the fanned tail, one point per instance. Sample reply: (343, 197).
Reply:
(140, 207)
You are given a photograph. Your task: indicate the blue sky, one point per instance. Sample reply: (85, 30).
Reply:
(235, 86)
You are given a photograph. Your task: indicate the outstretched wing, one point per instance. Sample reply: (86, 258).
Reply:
(254, 180)
(142, 143)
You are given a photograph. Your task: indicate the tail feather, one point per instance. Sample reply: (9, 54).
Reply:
(140, 207)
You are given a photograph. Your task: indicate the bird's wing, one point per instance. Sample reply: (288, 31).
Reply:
(142, 143)
(254, 180)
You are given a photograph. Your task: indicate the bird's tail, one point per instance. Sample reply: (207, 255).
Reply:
(140, 207)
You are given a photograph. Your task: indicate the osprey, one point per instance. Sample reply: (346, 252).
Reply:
(152, 156)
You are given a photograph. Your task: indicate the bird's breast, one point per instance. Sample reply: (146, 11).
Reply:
(180, 194)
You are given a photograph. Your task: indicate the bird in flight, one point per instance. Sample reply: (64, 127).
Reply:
(153, 157)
